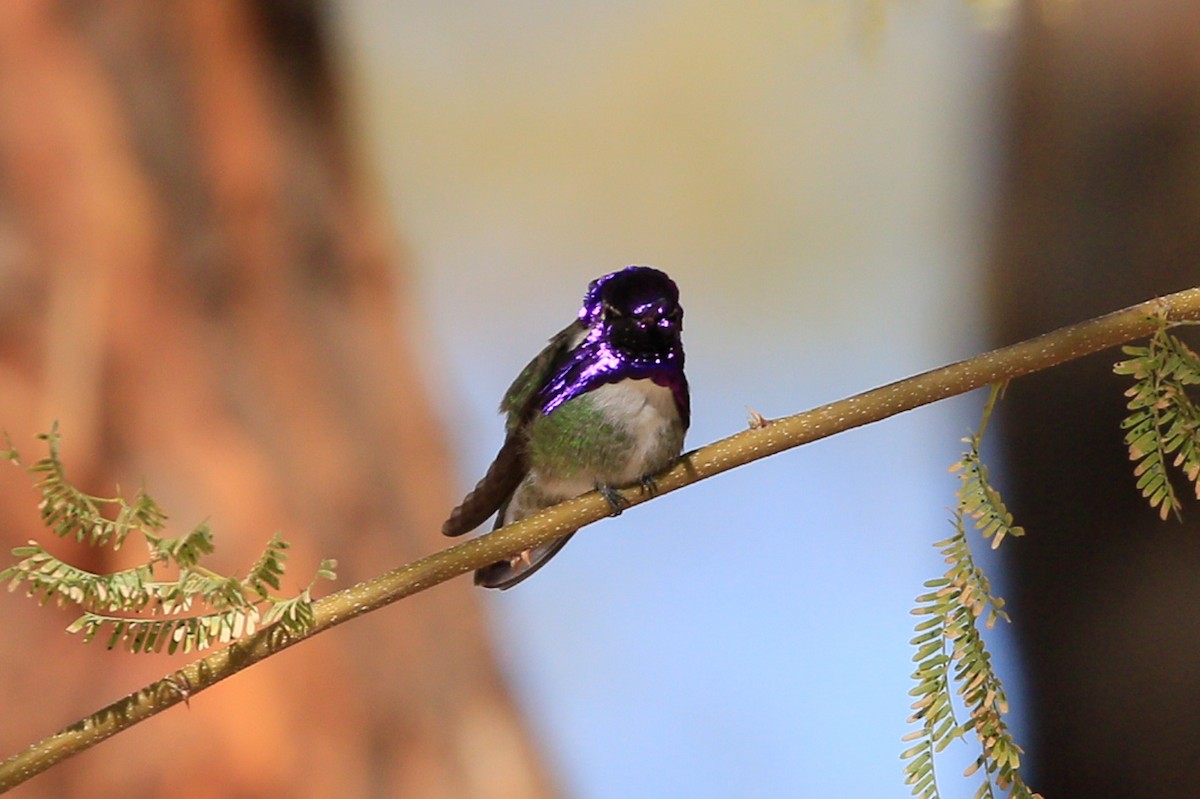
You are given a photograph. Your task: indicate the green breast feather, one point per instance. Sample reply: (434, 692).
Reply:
(577, 439)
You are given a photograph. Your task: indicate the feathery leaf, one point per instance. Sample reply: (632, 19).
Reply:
(950, 647)
(139, 612)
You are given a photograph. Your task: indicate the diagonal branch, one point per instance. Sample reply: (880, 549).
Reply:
(769, 438)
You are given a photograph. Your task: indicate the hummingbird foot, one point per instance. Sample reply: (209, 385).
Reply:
(617, 502)
(521, 557)
(649, 485)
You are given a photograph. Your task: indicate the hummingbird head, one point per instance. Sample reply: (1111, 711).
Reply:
(636, 310)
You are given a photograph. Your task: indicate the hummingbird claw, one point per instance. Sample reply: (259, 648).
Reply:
(522, 557)
(617, 502)
(649, 485)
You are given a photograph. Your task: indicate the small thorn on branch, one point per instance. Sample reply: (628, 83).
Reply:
(756, 419)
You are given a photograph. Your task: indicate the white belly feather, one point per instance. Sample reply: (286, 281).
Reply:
(645, 409)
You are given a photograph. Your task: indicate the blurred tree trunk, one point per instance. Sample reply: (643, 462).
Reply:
(196, 281)
(1101, 209)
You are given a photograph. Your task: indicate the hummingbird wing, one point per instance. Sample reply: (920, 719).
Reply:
(511, 464)
(503, 476)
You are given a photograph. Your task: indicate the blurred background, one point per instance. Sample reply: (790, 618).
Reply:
(279, 260)
(813, 176)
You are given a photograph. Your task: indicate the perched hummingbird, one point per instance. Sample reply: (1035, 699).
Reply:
(604, 404)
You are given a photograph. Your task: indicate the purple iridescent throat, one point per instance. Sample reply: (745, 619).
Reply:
(597, 361)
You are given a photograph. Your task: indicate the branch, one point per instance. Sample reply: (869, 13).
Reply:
(767, 438)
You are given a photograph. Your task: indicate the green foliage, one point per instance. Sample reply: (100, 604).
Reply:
(1164, 422)
(140, 612)
(952, 657)
(1162, 432)
(67, 511)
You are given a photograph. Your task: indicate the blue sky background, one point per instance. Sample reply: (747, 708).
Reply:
(815, 177)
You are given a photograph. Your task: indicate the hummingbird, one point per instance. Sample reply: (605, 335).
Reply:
(604, 405)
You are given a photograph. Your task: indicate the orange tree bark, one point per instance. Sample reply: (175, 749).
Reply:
(195, 281)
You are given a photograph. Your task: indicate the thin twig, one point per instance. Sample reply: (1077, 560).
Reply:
(1004, 364)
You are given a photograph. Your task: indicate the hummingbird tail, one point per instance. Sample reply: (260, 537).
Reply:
(505, 574)
(501, 480)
